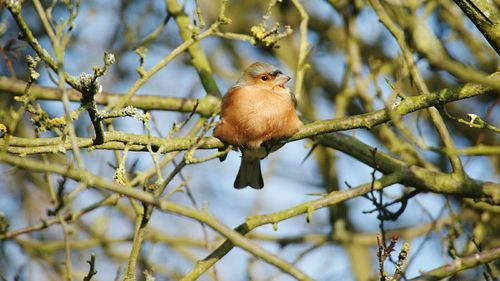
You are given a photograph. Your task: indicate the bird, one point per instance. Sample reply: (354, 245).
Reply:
(256, 113)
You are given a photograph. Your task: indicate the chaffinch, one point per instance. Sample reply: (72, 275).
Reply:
(256, 114)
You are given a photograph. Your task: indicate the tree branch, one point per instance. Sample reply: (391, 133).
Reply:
(308, 207)
(486, 17)
(418, 177)
(457, 265)
(205, 107)
(198, 58)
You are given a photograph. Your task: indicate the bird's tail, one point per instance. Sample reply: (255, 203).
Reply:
(249, 174)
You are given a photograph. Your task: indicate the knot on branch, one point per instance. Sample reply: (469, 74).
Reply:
(88, 85)
(270, 38)
(127, 111)
(14, 6)
(32, 63)
(3, 130)
(4, 224)
(141, 52)
(223, 19)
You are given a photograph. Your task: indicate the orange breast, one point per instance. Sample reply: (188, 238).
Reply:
(252, 115)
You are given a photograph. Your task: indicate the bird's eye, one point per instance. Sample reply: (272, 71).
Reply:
(263, 78)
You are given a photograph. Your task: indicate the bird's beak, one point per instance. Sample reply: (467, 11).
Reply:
(281, 79)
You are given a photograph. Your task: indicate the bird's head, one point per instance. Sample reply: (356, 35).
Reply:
(264, 75)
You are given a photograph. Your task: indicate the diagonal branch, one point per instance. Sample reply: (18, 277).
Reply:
(486, 17)
(415, 176)
(308, 207)
(460, 264)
